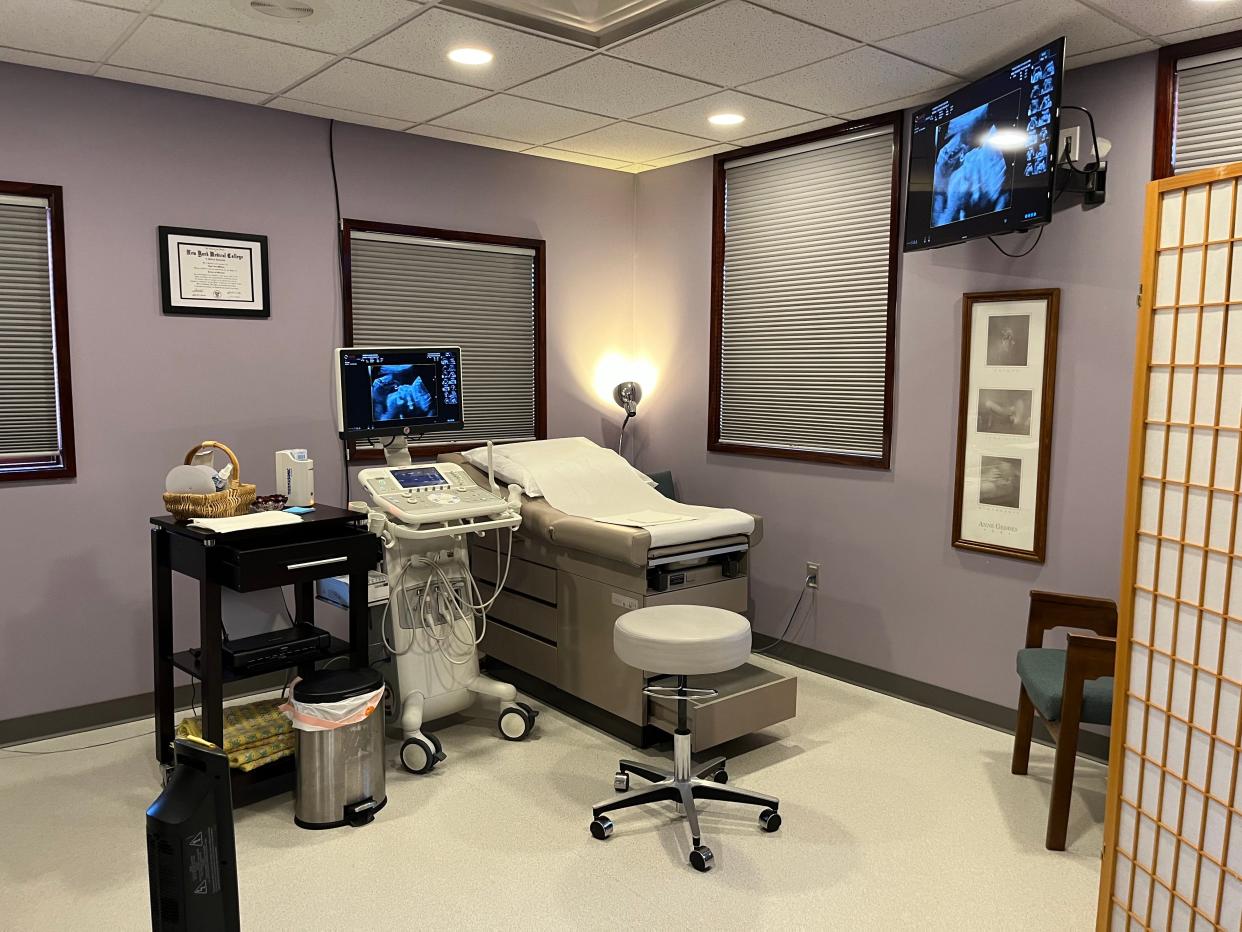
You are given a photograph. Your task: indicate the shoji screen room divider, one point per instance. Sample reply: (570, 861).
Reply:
(1173, 833)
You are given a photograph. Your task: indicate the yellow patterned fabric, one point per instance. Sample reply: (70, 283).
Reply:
(255, 733)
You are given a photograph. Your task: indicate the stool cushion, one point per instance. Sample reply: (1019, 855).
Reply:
(682, 639)
(1042, 671)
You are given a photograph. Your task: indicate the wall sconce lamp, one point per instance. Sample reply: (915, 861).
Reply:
(627, 395)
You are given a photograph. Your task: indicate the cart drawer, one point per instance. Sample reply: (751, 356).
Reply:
(751, 699)
(526, 653)
(248, 568)
(517, 611)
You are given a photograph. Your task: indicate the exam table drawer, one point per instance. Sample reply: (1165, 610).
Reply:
(250, 568)
(528, 654)
(517, 611)
(526, 578)
(751, 698)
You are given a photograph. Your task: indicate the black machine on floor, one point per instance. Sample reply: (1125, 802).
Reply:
(284, 645)
(191, 856)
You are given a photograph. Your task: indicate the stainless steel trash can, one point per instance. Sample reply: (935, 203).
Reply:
(340, 771)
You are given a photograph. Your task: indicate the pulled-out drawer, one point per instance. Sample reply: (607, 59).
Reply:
(750, 699)
(526, 578)
(528, 654)
(517, 611)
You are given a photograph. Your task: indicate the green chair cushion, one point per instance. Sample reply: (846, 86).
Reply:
(1042, 671)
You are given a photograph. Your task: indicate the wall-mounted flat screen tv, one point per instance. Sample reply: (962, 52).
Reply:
(983, 159)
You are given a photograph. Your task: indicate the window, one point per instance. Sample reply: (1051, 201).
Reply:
(1199, 105)
(804, 277)
(411, 286)
(36, 410)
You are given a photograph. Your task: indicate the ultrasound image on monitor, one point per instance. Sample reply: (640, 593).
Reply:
(402, 392)
(972, 175)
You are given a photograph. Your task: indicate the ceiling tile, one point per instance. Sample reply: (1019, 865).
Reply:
(789, 131)
(474, 139)
(731, 44)
(181, 84)
(138, 5)
(39, 60)
(631, 142)
(613, 87)
(578, 157)
(859, 78)
(203, 54)
(975, 45)
(61, 27)
(902, 103)
(523, 120)
(876, 20)
(761, 116)
(344, 26)
(423, 44)
(1164, 16)
(1117, 51)
(355, 85)
(636, 168)
(689, 156)
(336, 113)
(1187, 35)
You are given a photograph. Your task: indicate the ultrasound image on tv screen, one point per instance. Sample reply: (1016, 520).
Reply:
(972, 175)
(401, 392)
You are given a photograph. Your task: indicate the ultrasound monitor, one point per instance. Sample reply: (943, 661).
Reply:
(395, 391)
(983, 159)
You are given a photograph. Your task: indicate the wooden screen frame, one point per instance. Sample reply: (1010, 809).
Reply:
(1044, 471)
(1166, 93)
(894, 120)
(64, 465)
(1133, 531)
(540, 337)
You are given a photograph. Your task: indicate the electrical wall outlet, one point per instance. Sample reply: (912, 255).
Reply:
(1068, 136)
(812, 575)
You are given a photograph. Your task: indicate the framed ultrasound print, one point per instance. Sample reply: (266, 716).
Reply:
(1004, 422)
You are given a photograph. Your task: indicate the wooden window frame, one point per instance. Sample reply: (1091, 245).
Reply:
(348, 226)
(894, 120)
(1166, 93)
(65, 465)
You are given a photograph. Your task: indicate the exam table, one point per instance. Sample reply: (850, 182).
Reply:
(569, 580)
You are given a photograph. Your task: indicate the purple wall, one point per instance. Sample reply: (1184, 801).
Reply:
(894, 594)
(75, 614)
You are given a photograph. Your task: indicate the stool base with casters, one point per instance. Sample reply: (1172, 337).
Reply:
(683, 786)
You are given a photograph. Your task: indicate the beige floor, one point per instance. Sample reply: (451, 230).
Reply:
(895, 817)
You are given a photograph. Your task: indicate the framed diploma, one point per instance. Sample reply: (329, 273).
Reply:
(1004, 422)
(209, 273)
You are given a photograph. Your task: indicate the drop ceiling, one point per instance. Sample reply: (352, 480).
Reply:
(620, 84)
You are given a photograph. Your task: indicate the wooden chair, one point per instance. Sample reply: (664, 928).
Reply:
(1066, 687)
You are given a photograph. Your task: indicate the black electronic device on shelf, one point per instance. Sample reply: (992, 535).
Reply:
(282, 646)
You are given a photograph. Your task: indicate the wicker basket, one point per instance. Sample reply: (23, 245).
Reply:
(235, 500)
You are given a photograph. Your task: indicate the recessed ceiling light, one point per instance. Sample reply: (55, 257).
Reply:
(470, 56)
(726, 119)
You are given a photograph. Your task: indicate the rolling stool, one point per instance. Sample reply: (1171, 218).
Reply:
(686, 639)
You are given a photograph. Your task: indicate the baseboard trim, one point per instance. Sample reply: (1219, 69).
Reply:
(1090, 744)
(94, 715)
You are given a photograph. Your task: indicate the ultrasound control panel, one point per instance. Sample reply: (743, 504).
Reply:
(427, 493)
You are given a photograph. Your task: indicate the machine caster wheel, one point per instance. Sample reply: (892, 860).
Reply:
(516, 722)
(721, 776)
(439, 748)
(770, 820)
(419, 755)
(621, 782)
(701, 859)
(601, 827)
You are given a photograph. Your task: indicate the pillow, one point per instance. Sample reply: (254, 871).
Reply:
(508, 470)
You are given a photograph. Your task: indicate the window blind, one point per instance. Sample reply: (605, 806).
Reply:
(804, 336)
(1208, 124)
(29, 423)
(415, 291)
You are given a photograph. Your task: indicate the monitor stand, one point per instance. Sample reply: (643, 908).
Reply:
(397, 453)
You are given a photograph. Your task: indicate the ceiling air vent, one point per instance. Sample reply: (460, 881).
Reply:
(283, 9)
